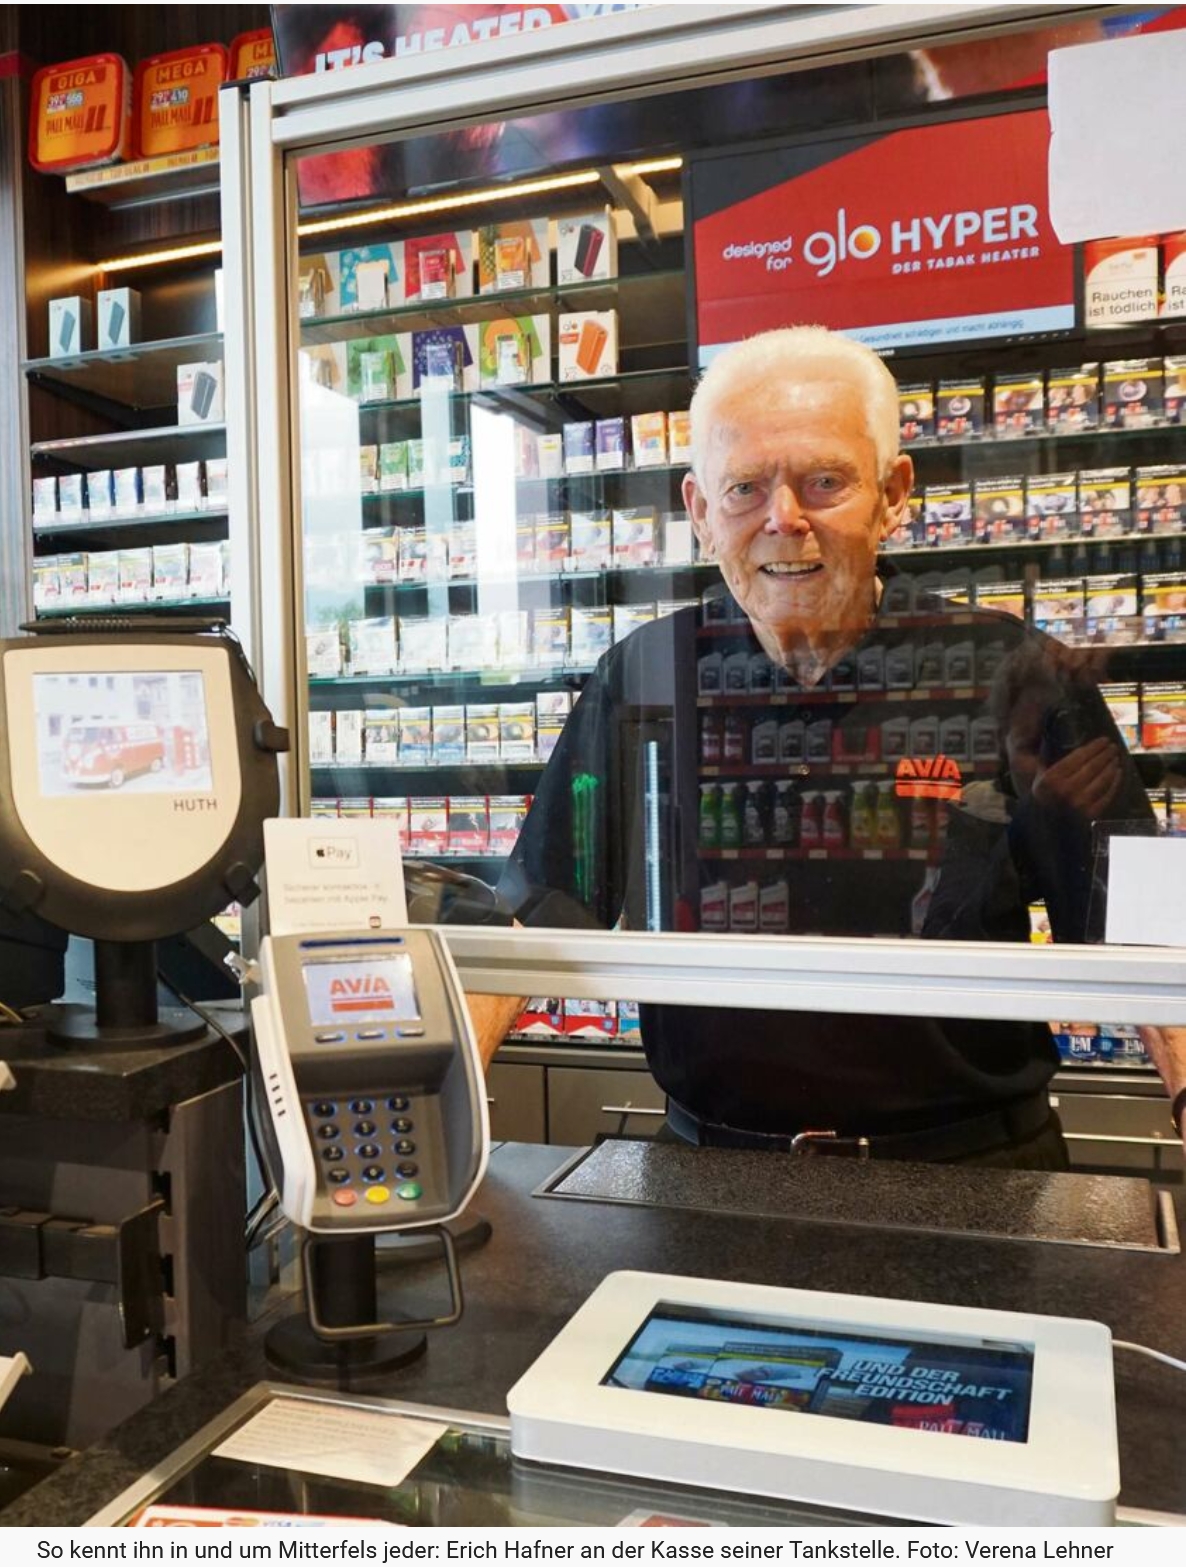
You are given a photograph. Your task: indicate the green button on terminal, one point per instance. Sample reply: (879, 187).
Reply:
(409, 1190)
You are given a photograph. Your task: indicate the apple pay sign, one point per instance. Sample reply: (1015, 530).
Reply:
(322, 876)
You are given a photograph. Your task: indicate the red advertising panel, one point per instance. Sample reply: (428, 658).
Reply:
(921, 237)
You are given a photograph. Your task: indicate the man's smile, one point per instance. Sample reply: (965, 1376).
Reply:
(789, 568)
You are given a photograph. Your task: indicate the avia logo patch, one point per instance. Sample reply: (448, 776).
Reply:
(371, 993)
(928, 778)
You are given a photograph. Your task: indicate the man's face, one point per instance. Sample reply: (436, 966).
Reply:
(791, 505)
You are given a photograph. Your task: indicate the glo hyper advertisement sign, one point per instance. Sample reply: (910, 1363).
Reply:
(920, 237)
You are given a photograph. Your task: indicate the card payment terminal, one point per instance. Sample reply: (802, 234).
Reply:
(372, 1080)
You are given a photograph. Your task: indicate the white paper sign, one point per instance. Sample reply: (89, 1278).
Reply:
(1115, 151)
(1147, 892)
(334, 875)
(326, 1439)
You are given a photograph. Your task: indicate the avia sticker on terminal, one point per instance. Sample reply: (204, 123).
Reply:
(924, 236)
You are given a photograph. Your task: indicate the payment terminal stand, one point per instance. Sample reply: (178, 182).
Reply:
(376, 1122)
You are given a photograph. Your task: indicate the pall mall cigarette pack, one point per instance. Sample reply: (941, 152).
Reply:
(80, 114)
(176, 100)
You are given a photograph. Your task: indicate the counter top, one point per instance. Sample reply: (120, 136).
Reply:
(546, 1256)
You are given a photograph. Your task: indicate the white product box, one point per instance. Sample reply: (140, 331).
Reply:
(586, 247)
(216, 482)
(513, 255)
(69, 326)
(45, 499)
(119, 317)
(370, 283)
(321, 739)
(348, 736)
(1120, 281)
(323, 653)
(191, 486)
(127, 491)
(206, 570)
(588, 345)
(100, 492)
(199, 393)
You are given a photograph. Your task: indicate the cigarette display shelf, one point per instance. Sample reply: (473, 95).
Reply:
(149, 181)
(923, 552)
(798, 698)
(1000, 445)
(530, 578)
(793, 770)
(137, 378)
(931, 855)
(923, 620)
(484, 679)
(116, 607)
(165, 521)
(525, 484)
(128, 448)
(530, 768)
(595, 397)
(647, 302)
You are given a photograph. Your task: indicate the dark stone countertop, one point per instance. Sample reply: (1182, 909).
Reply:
(547, 1255)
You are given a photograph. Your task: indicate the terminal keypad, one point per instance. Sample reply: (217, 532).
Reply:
(369, 1154)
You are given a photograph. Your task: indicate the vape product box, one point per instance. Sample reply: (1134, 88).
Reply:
(1174, 256)
(393, 466)
(515, 350)
(473, 641)
(323, 653)
(1163, 716)
(551, 543)
(102, 577)
(463, 550)
(415, 734)
(1160, 498)
(380, 732)
(998, 509)
(135, 575)
(413, 555)
(380, 557)
(206, 570)
(549, 636)
(428, 825)
(370, 285)
(372, 646)
(313, 285)
(1052, 505)
(649, 439)
(591, 632)
(100, 492)
(376, 376)
(158, 488)
(586, 247)
(677, 539)
(1112, 608)
(321, 739)
(1073, 398)
(414, 450)
(445, 359)
(468, 824)
(199, 393)
(368, 470)
(1105, 502)
(69, 326)
(1175, 388)
(448, 734)
(628, 618)
(916, 411)
(439, 266)
(1058, 608)
(947, 511)
(513, 255)
(457, 460)
(45, 499)
(679, 437)
(1018, 404)
(959, 411)
(635, 536)
(217, 494)
(588, 345)
(508, 812)
(481, 731)
(1119, 281)
(127, 491)
(516, 731)
(612, 445)
(578, 446)
(1163, 605)
(1133, 393)
(423, 643)
(348, 724)
(170, 571)
(514, 638)
(590, 541)
(119, 317)
(549, 451)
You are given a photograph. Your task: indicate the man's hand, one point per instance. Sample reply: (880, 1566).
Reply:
(493, 1018)
(1085, 781)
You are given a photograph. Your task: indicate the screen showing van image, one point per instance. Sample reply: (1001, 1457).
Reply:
(140, 732)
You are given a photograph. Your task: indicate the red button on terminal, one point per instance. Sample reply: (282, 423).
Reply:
(345, 1199)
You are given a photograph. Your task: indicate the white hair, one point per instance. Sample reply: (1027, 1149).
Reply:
(785, 354)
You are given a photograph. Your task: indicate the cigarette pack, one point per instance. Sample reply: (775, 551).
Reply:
(628, 618)
(468, 824)
(1105, 502)
(588, 345)
(998, 509)
(463, 551)
(649, 438)
(1120, 280)
(549, 636)
(578, 446)
(413, 555)
(549, 452)
(191, 485)
(415, 734)
(586, 247)
(47, 582)
(1112, 609)
(428, 824)
(206, 571)
(916, 411)
(525, 528)
(1159, 494)
(1052, 505)
(1163, 716)
(1018, 404)
(100, 492)
(678, 542)
(380, 555)
(321, 739)
(513, 255)
(1174, 254)
(590, 1019)
(1133, 393)
(508, 812)
(591, 540)
(448, 733)
(516, 731)
(158, 488)
(348, 725)
(423, 643)
(635, 530)
(1058, 608)
(1006, 597)
(679, 437)
(380, 734)
(551, 714)
(1073, 398)
(947, 513)
(70, 496)
(481, 731)
(372, 646)
(102, 577)
(439, 266)
(551, 543)
(170, 571)
(135, 575)
(959, 413)
(45, 499)
(612, 445)
(1175, 387)
(216, 482)
(1163, 605)
(473, 641)
(591, 633)
(97, 92)
(169, 118)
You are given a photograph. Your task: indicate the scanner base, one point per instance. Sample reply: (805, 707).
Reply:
(293, 1348)
(79, 1029)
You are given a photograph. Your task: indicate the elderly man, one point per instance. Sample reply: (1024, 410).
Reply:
(797, 483)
